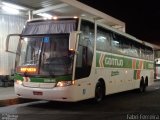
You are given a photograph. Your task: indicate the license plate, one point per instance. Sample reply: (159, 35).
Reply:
(37, 93)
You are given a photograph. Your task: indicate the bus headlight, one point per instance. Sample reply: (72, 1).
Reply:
(64, 83)
(19, 82)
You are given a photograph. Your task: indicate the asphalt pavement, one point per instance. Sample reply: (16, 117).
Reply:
(129, 105)
(8, 96)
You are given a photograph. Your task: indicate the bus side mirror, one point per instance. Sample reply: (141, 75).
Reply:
(73, 40)
(12, 43)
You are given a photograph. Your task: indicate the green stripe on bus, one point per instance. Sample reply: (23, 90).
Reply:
(113, 61)
(44, 80)
(17, 77)
(97, 59)
(127, 63)
(137, 74)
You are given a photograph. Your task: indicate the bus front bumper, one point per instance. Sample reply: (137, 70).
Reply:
(54, 94)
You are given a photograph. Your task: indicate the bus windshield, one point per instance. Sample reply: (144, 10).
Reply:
(49, 54)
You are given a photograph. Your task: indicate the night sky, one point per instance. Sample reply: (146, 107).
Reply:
(142, 17)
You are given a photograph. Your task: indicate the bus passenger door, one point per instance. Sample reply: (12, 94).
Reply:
(83, 68)
(84, 58)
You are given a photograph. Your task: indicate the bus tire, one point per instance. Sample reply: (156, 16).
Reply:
(142, 87)
(99, 92)
(146, 81)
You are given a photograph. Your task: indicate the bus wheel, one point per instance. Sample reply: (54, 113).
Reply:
(99, 93)
(146, 81)
(142, 87)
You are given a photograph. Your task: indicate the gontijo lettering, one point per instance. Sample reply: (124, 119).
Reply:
(114, 62)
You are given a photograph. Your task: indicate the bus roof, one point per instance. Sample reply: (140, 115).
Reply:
(68, 8)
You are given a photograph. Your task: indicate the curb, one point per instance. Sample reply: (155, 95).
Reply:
(10, 101)
(156, 80)
(14, 101)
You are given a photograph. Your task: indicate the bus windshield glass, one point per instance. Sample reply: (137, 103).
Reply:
(49, 54)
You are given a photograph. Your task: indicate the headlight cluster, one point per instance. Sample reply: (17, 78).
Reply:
(64, 83)
(19, 82)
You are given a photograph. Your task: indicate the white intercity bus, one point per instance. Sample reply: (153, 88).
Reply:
(73, 59)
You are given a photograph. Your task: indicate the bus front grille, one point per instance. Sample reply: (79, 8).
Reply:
(39, 85)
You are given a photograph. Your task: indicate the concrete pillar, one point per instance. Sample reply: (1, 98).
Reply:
(30, 15)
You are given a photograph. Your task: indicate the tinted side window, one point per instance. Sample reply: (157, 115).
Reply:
(103, 39)
(135, 49)
(149, 53)
(116, 43)
(142, 52)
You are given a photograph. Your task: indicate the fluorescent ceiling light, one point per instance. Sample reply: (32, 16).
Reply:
(55, 17)
(14, 6)
(117, 26)
(75, 17)
(10, 10)
(45, 15)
